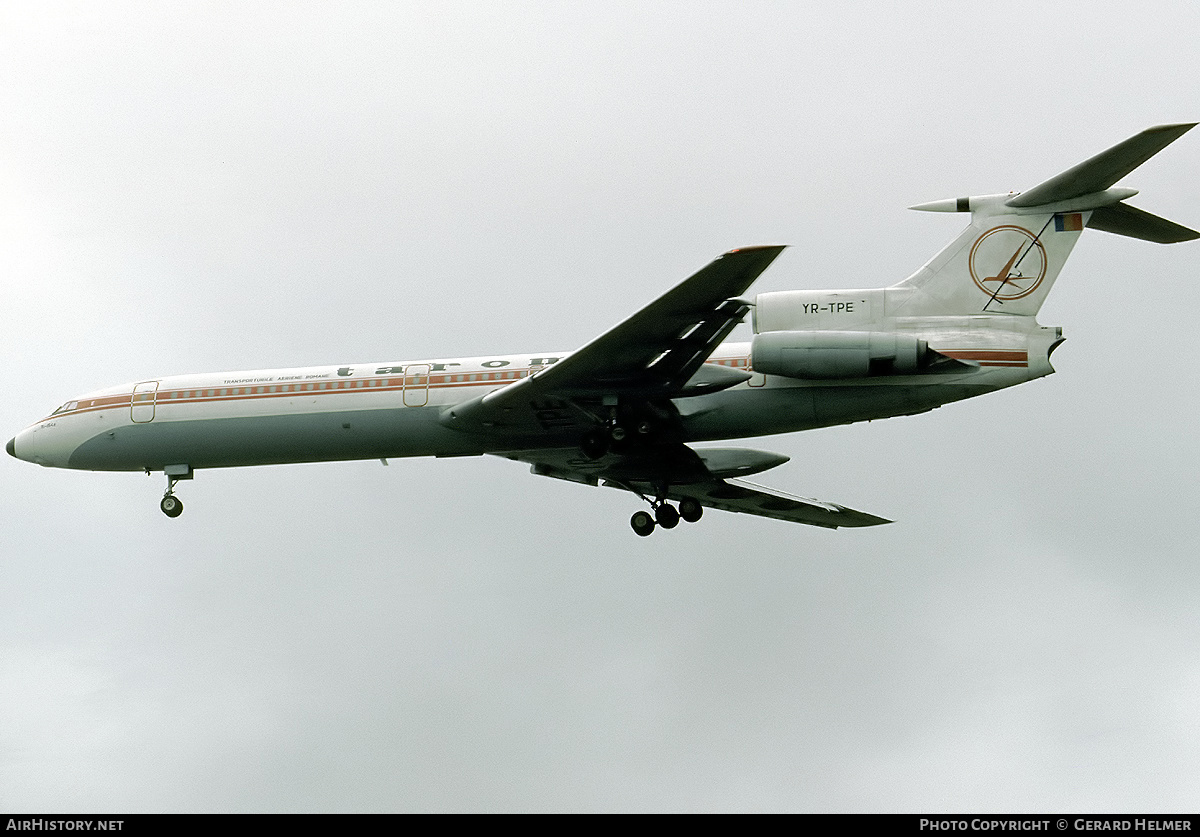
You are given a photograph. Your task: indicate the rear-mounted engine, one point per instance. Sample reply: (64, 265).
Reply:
(846, 354)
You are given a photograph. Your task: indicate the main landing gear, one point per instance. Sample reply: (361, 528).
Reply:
(666, 515)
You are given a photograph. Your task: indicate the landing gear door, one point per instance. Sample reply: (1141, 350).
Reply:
(416, 385)
(141, 405)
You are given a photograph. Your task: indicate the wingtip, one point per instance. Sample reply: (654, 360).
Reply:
(862, 520)
(1169, 132)
(758, 248)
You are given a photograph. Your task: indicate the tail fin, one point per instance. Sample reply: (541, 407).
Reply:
(1006, 261)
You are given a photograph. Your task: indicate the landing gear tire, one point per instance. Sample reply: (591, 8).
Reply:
(594, 444)
(171, 506)
(642, 523)
(666, 516)
(690, 509)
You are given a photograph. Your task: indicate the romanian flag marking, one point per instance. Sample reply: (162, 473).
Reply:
(1068, 222)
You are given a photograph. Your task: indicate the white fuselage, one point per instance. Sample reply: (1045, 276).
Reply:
(391, 410)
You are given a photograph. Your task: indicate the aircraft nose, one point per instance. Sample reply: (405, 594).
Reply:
(11, 447)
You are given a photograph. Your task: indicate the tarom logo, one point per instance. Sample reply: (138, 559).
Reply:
(1008, 263)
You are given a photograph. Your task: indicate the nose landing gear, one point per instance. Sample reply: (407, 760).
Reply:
(171, 505)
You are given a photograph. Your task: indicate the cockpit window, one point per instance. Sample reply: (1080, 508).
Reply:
(66, 408)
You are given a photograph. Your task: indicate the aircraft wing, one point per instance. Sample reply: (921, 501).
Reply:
(703, 474)
(653, 354)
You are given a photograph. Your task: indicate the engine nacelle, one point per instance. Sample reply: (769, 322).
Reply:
(837, 354)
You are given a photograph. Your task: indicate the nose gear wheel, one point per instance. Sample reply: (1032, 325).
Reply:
(171, 505)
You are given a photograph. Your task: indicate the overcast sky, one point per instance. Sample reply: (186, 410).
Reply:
(191, 187)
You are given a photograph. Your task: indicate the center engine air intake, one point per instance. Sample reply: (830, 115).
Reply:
(840, 354)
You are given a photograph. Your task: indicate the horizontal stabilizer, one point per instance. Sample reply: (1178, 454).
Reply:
(1123, 219)
(1103, 170)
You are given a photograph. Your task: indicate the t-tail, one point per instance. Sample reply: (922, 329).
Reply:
(1006, 261)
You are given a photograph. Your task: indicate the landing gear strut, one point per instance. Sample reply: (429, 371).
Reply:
(171, 505)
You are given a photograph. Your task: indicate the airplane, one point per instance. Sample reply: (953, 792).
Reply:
(627, 409)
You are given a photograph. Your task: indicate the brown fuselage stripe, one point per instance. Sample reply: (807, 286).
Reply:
(214, 394)
(990, 357)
